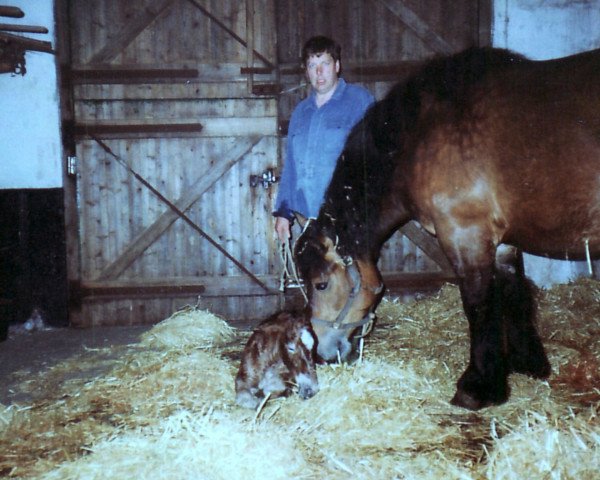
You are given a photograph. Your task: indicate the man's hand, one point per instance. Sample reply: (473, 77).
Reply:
(282, 228)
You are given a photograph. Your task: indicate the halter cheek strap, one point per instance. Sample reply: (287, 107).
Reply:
(367, 319)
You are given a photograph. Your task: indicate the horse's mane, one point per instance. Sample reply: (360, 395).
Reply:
(378, 144)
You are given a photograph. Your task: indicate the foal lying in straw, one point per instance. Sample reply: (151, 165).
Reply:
(278, 357)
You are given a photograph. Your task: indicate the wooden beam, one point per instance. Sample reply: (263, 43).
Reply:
(238, 126)
(255, 70)
(130, 31)
(421, 29)
(187, 91)
(379, 70)
(115, 290)
(27, 43)
(236, 285)
(371, 67)
(230, 286)
(128, 75)
(22, 28)
(395, 71)
(13, 12)
(428, 243)
(205, 127)
(199, 73)
(164, 221)
(268, 89)
(135, 130)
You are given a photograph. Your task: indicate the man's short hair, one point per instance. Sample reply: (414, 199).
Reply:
(319, 45)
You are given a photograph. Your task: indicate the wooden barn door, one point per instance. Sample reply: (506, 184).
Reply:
(169, 150)
(176, 114)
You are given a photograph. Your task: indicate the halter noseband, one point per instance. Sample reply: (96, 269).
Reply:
(367, 319)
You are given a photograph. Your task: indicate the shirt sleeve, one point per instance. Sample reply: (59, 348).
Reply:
(287, 182)
(367, 101)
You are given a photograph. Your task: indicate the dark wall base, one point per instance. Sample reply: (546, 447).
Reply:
(33, 269)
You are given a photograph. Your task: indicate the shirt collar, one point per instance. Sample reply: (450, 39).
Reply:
(339, 91)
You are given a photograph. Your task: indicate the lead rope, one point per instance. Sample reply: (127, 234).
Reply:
(366, 329)
(287, 259)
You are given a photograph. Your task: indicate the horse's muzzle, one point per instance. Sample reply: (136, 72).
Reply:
(333, 345)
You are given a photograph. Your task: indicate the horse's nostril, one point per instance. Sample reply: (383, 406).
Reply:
(343, 349)
(307, 393)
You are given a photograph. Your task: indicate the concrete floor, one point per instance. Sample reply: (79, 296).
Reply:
(24, 354)
(28, 353)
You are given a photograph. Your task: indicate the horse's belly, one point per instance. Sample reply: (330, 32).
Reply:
(561, 244)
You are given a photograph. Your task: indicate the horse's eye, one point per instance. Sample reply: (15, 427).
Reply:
(321, 285)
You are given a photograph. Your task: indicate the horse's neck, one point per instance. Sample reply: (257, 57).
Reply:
(391, 216)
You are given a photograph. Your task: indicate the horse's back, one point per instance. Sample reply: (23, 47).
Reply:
(523, 153)
(561, 94)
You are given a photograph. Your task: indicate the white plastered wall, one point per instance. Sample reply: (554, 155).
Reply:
(30, 141)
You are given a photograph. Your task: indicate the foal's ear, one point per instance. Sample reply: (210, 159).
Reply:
(306, 337)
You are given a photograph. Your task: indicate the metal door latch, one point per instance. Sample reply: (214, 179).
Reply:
(267, 178)
(71, 165)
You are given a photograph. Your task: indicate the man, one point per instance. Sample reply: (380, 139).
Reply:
(317, 133)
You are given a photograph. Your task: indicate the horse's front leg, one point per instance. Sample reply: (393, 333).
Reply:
(484, 382)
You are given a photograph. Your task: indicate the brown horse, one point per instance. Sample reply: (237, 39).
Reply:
(484, 149)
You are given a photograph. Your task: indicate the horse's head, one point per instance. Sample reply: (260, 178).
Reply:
(343, 292)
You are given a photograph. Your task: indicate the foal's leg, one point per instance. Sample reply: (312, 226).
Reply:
(525, 350)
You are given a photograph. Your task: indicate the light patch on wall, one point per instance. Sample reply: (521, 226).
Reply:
(542, 29)
(30, 140)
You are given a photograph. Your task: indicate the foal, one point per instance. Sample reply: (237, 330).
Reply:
(279, 356)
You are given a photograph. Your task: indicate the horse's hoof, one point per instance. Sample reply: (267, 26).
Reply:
(465, 400)
(474, 394)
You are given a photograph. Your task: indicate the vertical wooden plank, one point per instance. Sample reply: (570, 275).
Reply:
(250, 42)
(484, 21)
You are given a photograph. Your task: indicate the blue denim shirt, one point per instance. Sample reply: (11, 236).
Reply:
(316, 138)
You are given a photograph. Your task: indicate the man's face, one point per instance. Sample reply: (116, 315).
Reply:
(322, 72)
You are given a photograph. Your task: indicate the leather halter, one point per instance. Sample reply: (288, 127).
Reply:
(356, 280)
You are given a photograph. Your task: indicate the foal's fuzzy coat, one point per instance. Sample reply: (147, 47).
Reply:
(278, 356)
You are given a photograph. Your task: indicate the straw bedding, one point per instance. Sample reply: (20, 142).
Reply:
(166, 408)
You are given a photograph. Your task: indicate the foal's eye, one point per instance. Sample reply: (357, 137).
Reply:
(321, 285)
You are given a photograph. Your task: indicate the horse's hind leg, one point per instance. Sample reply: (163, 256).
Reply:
(525, 350)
